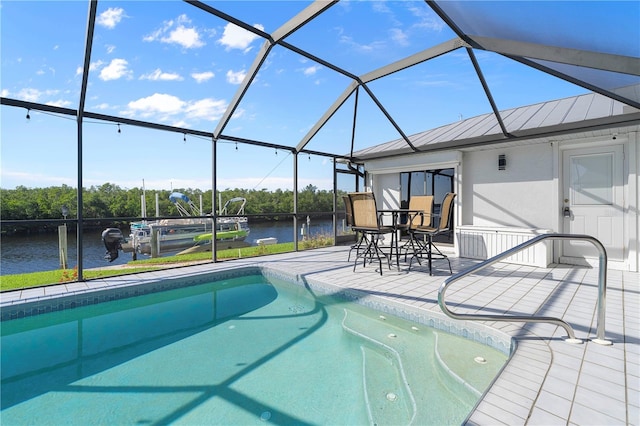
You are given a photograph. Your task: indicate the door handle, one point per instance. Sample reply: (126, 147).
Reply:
(566, 212)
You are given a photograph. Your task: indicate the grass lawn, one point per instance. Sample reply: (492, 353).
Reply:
(35, 279)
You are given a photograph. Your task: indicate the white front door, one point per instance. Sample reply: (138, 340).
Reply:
(593, 202)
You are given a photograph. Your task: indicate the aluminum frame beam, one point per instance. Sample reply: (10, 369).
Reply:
(289, 27)
(409, 61)
(581, 58)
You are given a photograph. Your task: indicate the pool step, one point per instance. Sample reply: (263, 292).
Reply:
(387, 393)
(387, 398)
(468, 373)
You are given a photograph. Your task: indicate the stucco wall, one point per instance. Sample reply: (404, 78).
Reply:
(520, 196)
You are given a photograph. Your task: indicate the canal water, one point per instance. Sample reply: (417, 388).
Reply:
(39, 252)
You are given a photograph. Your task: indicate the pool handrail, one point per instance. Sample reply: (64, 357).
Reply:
(602, 288)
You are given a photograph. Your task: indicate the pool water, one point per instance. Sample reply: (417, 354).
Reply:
(246, 350)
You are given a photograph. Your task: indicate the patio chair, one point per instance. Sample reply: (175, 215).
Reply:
(360, 236)
(367, 220)
(421, 207)
(429, 232)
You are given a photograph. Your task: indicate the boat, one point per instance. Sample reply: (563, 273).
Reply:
(266, 241)
(190, 229)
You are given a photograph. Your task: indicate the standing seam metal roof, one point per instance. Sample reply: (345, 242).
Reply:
(559, 116)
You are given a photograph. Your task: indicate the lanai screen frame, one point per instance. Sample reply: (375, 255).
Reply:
(563, 62)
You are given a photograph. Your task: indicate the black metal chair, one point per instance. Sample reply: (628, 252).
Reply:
(421, 207)
(367, 221)
(360, 236)
(429, 232)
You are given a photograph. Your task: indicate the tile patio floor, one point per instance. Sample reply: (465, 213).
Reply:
(547, 381)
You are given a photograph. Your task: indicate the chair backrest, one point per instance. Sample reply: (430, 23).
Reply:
(365, 212)
(423, 203)
(446, 212)
(348, 210)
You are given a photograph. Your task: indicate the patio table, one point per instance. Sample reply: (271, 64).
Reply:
(397, 226)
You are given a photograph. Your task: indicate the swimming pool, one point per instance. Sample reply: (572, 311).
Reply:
(244, 349)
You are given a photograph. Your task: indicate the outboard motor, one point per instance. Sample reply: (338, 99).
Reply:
(112, 239)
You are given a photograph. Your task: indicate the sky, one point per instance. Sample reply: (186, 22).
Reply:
(171, 63)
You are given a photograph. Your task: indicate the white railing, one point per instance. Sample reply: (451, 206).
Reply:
(602, 288)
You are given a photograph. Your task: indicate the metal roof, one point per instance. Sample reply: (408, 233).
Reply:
(547, 119)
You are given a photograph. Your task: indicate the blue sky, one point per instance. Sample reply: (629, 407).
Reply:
(171, 63)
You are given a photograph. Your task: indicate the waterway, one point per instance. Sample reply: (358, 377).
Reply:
(39, 252)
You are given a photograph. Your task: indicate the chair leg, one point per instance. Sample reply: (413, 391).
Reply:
(364, 253)
(418, 249)
(430, 243)
(440, 254)
(371, 249)
(378, 252)
(394, 248)
(357, 246)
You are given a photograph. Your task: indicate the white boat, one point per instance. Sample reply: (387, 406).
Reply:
(189, 229)
(266, 241)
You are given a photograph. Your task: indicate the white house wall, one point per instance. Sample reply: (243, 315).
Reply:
(520, 196)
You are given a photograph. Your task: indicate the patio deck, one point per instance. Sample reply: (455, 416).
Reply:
(547, 381)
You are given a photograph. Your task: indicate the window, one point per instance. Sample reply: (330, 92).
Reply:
(428, 182)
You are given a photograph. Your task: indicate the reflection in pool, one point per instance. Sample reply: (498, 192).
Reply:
(244, 350)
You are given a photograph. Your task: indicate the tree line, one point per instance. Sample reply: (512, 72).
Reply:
(111, 201)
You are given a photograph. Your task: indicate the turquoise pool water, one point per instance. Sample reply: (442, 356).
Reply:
(246, 350)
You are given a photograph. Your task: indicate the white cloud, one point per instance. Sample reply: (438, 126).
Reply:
(175, 32)
(236, 77)
(93, 66)
(157, 103)
(59, 103)
(4, 93)
(239, 112)
(186, 37)
(235, 37)
(210, 109)
(427, 19)
(12, 179)
(311, 70)
(110, 48)
(31, 95)
(110, 17)
(102, 106)
(362, 48)
(116, 69)
(399, 36)
(201, 77)
(159, 75)
(169, 107)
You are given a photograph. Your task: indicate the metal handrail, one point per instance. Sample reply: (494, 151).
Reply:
(602, 288)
